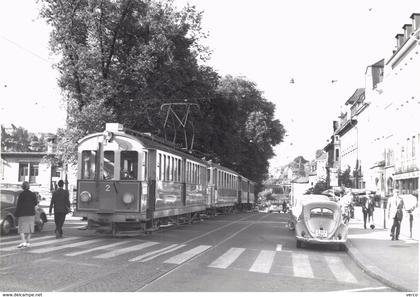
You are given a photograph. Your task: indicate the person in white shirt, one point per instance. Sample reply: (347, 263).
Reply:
(395, 212)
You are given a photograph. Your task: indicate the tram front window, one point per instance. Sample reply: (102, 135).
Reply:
(129, 165)
(88, 164)
(109, 165)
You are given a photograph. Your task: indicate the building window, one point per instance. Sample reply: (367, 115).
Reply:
(28, 172)
(413, 147)
(33, 172)
(23, 171)
(337, 154)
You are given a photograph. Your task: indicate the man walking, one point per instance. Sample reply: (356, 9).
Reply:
(60, 201)
(365, 203)
(395, 212)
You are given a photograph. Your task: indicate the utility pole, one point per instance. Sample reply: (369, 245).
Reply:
(178, 114)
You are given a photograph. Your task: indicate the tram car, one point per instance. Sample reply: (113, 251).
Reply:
(128, 180)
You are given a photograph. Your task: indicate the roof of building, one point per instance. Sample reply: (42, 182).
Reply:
(40, 154)
(301, 180)
(357, 95)
(323, 156)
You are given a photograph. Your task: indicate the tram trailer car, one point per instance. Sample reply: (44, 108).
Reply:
(129, 180)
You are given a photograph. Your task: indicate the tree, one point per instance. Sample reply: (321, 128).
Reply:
(16, 141)
(126, 58)
(319, 187)
(238, 128)
(298, 166)
(344, 178)
(121, 60)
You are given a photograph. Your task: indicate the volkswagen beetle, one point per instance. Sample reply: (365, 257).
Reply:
(317, 219)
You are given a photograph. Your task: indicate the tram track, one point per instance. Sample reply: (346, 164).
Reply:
(159, 275)
(174, 269)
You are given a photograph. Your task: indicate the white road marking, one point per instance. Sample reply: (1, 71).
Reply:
(65, 246)
(302, 266)
(20, 240)
(263, 262)
(181, 258)
(364, 289)
(154, 254)
(102, 247)
(340, 271)
(129, 249)
(227, 258)
(46, 242)
(279, 247)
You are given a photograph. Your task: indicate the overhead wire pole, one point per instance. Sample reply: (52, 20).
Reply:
(182, 121)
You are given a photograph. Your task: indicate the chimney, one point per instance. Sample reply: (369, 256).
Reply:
(416, 21)
(407, 31)
(400, 40)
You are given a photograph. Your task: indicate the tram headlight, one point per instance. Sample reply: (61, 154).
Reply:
(128, 198)
(85, 196)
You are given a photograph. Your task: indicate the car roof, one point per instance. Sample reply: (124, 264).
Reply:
(321, 203)
(10, 190)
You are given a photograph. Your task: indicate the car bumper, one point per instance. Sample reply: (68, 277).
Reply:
(320, 240)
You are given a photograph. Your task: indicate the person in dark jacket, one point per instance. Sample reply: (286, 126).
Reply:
(61, 202)
(364, 201)
(25, 212)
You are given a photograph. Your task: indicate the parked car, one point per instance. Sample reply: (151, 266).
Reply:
(274, 208)
(317, 219)
(8, 202)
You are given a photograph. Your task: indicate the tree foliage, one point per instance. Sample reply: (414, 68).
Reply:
(319, 187)
(238, 127)
(344, 178)
(18, 139)
(122, 59)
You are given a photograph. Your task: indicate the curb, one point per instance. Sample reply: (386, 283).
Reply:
(366, 265)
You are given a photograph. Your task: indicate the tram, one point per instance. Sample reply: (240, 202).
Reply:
(128, 180)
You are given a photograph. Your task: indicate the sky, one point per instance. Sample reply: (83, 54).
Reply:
(324, 46)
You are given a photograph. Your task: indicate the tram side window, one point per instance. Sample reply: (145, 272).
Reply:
(144, 166)
(109, 164)
(129, 164)
(88, 164)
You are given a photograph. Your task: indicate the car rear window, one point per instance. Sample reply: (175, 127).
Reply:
(7, 197)
(321, 212)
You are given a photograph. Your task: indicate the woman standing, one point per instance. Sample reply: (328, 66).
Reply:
(25, 212)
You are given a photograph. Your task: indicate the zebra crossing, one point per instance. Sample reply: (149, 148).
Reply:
(177, 254)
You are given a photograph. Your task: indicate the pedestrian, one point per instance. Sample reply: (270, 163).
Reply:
(364, 201)
(61, 202)
(371, 209)
(25, 212)
(284, 206)
(345, 205)
(395, 212)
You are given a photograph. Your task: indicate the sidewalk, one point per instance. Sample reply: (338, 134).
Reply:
(394, 263)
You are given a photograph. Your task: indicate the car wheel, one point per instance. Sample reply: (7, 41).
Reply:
(298, 244)
(6, 226)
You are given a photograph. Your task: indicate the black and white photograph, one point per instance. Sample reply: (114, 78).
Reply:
(209, 147)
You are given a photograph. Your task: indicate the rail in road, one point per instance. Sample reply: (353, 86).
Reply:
(217, 246)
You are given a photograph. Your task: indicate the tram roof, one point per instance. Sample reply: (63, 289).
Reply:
(154, 142)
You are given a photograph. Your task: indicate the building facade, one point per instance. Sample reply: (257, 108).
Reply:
(379, 133)
(401, 87)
